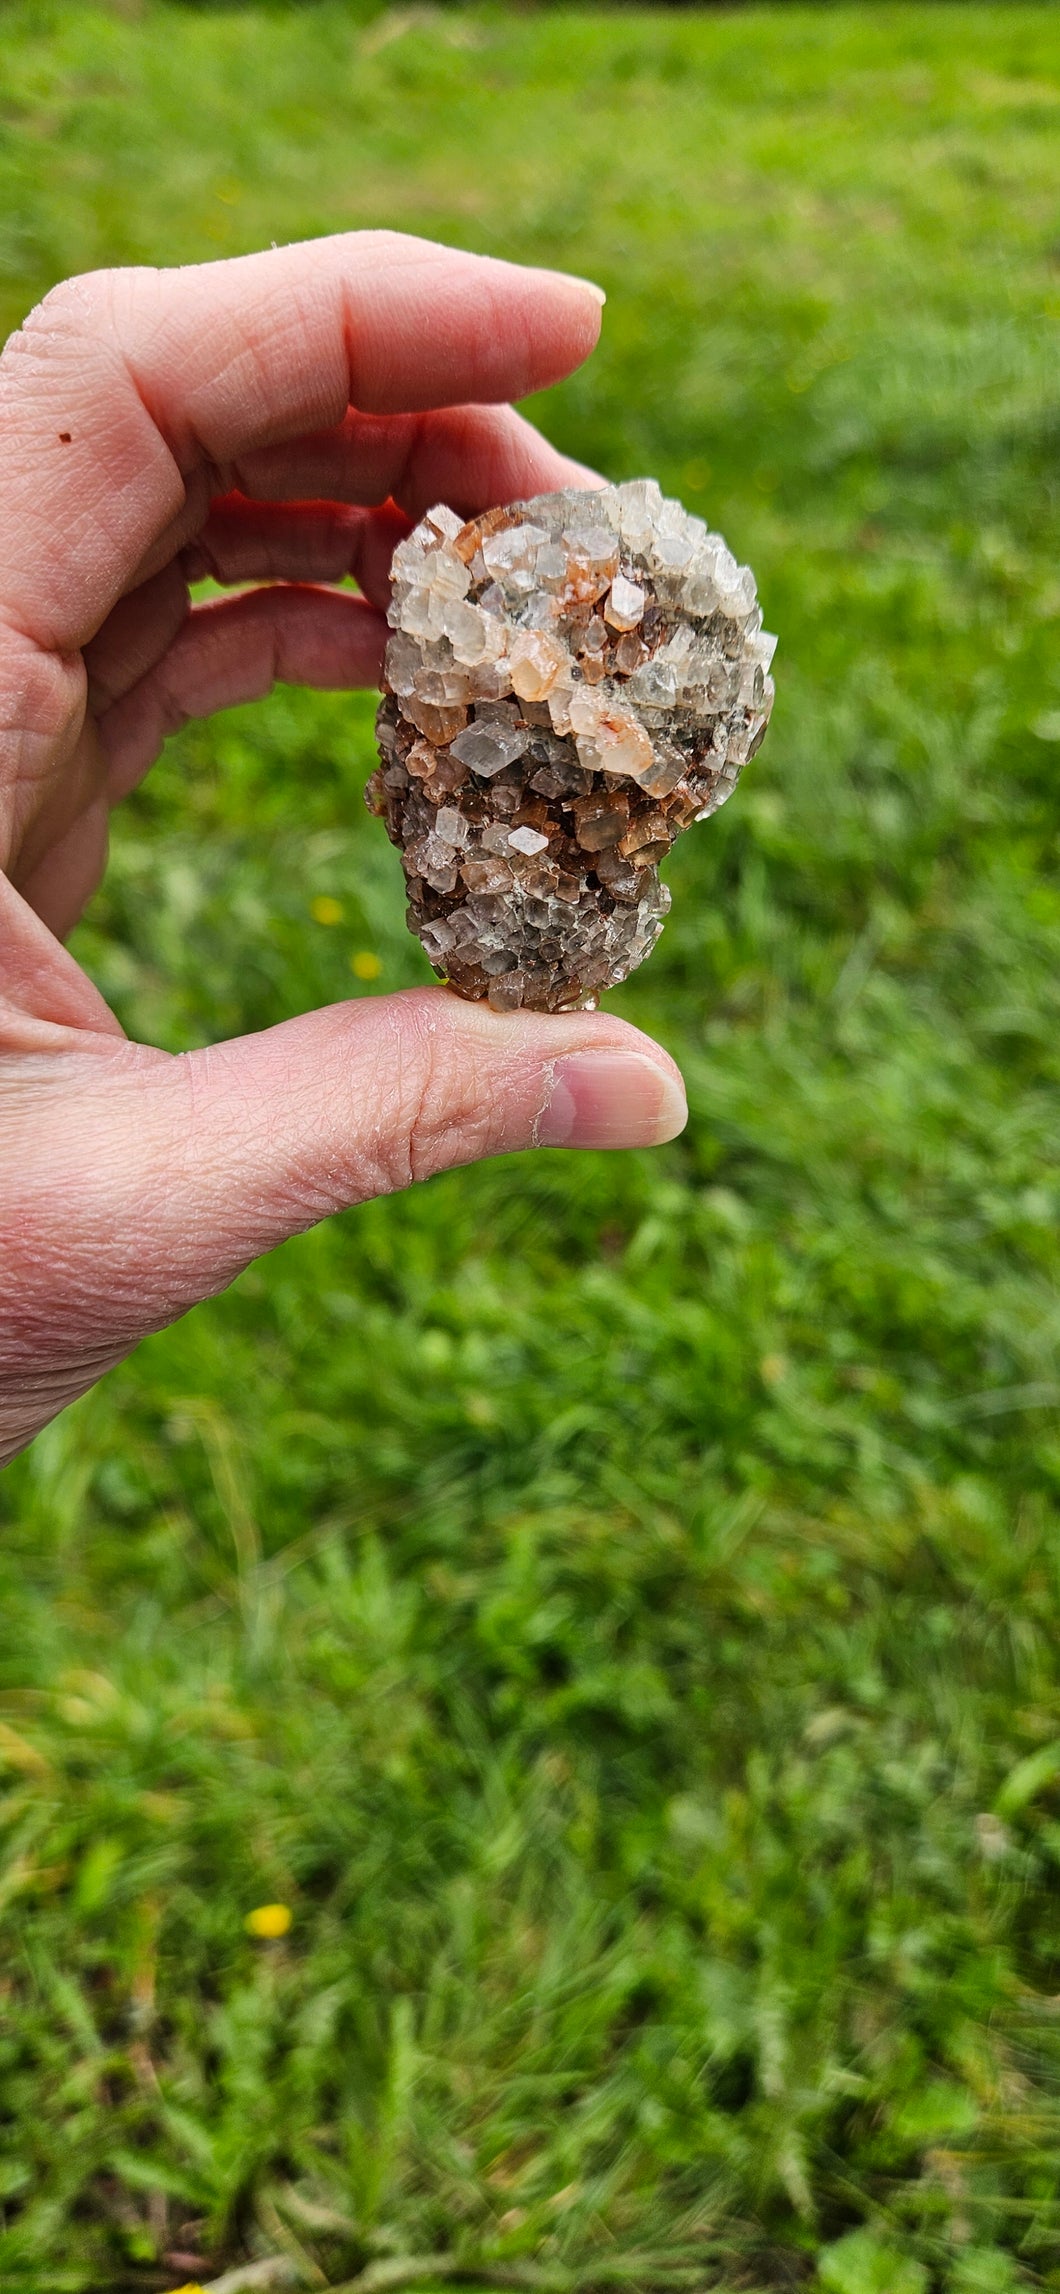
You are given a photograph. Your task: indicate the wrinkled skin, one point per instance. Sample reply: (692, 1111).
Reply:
(279, 419)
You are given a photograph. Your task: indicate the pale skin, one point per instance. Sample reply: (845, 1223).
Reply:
(275, 420)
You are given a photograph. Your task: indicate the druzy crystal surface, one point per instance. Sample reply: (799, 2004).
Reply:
(571, 682)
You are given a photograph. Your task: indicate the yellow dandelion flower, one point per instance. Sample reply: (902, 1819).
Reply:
(192, 2287)
(325, 910)
(268, 1920)
(366, 966)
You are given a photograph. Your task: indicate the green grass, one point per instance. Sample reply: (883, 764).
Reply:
(615, 1603)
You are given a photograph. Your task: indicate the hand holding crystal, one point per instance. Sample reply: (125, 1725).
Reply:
(276, 421)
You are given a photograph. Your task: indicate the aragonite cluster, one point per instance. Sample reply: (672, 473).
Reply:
(570, 683)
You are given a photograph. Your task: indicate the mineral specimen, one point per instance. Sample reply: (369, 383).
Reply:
(571, 681)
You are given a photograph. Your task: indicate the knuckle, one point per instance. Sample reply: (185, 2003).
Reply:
(73, 308)
(426, 1115)
(69, 315)
(447, 1112)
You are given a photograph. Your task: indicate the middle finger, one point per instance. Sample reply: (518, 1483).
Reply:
(240, 542)
(296, 541)
(468, 456)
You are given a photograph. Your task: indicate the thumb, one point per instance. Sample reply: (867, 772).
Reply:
(136, 1183)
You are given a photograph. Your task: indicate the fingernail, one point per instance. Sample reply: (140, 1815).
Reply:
(611, 1099)
(574, 279)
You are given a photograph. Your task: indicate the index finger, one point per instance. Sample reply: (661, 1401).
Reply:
(122, 382)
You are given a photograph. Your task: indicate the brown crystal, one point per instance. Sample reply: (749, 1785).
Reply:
(571, 682)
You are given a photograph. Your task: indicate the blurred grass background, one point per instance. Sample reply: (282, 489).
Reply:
(613, 1603)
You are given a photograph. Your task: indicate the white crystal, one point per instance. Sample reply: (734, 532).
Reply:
(474, 636)
(626, 603)
(494, 836)
(671, 553)
(436, 938)
(762, 648)
(446, 574)
(654, 686)
(410, 553)
(463, 926)
(594, 543)
(486, 749)
(639, 504)
(551, 566)
(527, 840)
(445, 521)
(403, 658)
(421, 613)
(450, 826)
(511, 555)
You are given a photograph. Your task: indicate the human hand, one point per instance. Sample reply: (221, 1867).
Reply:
(279, 418)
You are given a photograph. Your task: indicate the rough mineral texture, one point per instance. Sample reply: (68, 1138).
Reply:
(570, 683)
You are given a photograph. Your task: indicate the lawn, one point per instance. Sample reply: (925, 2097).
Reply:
(612, 1603)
